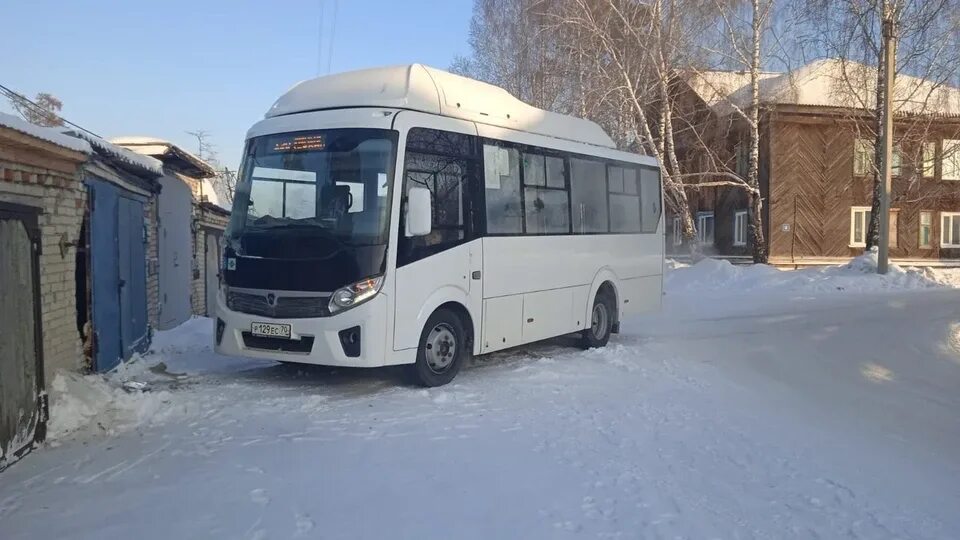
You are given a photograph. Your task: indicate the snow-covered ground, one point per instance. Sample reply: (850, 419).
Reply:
(759, 404)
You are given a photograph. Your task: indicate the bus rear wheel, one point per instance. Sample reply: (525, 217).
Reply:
(442, 350)
(601, 322)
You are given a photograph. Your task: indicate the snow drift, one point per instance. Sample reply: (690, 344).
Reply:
(714, 277)
(85, 405)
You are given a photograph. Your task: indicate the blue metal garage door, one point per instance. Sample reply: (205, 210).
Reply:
(118, 274)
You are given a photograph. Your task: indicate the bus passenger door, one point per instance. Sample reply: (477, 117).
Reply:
(444, 265)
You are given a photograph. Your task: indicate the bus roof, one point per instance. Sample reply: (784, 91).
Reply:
(422, 88)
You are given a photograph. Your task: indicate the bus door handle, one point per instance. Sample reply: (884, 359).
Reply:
(475, 274)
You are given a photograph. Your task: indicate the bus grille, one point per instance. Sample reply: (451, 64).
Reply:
(285, 307)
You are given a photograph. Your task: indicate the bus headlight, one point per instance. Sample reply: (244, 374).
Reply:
(357, 293)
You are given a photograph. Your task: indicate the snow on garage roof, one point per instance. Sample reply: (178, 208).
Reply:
(421, 88)
(119, 153)
(160, 148)
(51, 135)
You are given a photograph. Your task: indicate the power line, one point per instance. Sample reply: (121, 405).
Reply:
(20, 98)
(333, 33)
(320, 39)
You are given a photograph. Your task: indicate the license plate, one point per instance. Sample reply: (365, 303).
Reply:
(263, 329)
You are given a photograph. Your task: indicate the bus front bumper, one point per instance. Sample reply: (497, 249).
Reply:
(356, 337)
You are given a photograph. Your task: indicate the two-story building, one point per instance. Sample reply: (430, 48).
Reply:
(816, 167)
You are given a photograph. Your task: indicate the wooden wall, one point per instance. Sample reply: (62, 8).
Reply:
(813, 186)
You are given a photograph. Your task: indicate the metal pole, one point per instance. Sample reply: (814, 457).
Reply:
(889, 59)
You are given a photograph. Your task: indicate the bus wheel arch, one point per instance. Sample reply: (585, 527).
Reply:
(602, 318)
(606, 280)
(445, 344)
(610, 290)
(461, 311)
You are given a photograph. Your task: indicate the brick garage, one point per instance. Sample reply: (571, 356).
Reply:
(177, 288)
(213, 221)
(42, 174)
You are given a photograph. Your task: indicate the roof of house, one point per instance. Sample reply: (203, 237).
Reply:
(714, 87)
(126, 159)
(166, 151)
(51, 135)
(422, 88)
(825, 83)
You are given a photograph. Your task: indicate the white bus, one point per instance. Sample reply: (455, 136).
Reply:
(406, 215)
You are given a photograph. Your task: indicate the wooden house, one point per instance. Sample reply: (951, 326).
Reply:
(816, 166)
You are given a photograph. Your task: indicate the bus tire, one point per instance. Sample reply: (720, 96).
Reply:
(443, 348)
(601, 322)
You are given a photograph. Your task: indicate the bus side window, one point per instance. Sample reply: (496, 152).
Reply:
(501, 179)
(431, 161)
(624, 200)
(588, 196)
(649, 200)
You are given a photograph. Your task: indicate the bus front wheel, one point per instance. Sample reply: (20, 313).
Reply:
(442, 350)
(601, 322)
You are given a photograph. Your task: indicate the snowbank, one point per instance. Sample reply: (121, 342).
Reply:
(713, 277)
(83, 404)
(192, 336)
(47, 134)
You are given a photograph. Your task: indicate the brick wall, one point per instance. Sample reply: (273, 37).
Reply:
(153, 264)
(197, 298)
(208, 220)
(51, 182)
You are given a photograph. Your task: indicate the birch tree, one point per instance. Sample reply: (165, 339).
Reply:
(739, 46)
(642, 52)
(44, 110)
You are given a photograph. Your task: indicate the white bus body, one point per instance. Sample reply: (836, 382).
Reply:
(518, 244)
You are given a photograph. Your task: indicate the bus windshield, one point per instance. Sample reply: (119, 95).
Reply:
(334, 183)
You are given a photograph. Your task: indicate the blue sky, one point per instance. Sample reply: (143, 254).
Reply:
(164, 67)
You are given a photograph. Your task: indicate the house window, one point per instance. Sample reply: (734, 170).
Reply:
(894, 228)
(926, 226)
(929, 159)
(950, 157)
(950, 229)
(677, 234)
(705, 228)
(896, 162)
(859, 223)
(740, 228)
(863, 157)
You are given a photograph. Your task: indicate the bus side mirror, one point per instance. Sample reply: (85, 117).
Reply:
(419, 214)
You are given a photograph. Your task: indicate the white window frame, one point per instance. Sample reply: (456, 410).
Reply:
(677, 232)
(854, 211)
(896, 164)
(863, 153)
(929, 159)
(950, 159)
(701, 217)
(740, 225)
(929, 244)
(945, 231)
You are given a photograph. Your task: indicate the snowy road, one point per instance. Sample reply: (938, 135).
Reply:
(785, 416)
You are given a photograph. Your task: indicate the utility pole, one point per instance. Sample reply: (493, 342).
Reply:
(889, 61)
